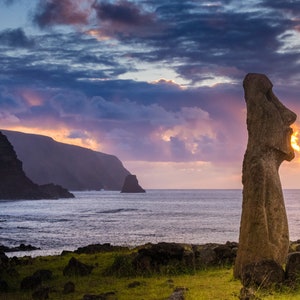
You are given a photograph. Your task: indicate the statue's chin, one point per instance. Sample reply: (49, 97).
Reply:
(289, 155)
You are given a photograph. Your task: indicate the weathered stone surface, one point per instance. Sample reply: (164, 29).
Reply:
(77, 268)
(263, 274)
(292, 269)
(131, 185)
(264, 230)
(14, 184)
(154, 257)
(178, 294)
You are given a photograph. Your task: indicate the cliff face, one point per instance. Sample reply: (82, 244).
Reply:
(14, 184)
(76, 168)
(131, 185)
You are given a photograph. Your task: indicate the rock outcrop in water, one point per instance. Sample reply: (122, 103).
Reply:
(131, 185)
(264, 235)
(14, 184)
(73, 167)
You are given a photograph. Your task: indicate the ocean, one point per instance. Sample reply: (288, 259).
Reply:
(183, 216)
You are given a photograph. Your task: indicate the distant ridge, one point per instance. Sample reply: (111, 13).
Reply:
(76, 168)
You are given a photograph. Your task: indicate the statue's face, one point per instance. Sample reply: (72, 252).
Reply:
(269, 120)
(282, 130)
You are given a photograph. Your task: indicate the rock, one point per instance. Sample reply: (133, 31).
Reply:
(98, 248)
(248, 294)
(224, 254)
(22, 247)
(77, 268)
(14, 183)
(69, 287)
(41, 293)
(154, 257)
(263, 274)
(4, 260)
(104, 296)
(44, 275)
(36, 279)
(134, 284)
(30, 283)
(131, 185)
(173, 258)
(292, 269)
(264, 229)
(178, 294)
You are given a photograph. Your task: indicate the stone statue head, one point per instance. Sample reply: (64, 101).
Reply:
(268, 120)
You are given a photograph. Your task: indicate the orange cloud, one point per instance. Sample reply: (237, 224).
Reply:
(61, 134)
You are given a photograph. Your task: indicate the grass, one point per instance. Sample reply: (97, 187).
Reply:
(213, 283)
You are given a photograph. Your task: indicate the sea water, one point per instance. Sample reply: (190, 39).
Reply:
(183, 216)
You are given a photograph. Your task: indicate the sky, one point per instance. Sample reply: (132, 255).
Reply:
(156, 83)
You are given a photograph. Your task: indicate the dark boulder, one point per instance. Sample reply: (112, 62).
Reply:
(4, 260)
(171, 258)
(262, 274)
(36, 279)
(225, 254)
(77, 268)
(131, 185)
(98, 248)
(30, 283)
(292, 270)
(44, 275)
(154, 257)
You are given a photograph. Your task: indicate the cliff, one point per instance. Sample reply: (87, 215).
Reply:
(14, 184)
(76, 168)
(131, 185)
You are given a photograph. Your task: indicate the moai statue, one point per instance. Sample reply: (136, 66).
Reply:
(264, 233)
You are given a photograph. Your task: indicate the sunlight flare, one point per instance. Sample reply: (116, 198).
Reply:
(295, 140)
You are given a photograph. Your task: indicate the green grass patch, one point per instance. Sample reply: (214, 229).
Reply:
(212, 283)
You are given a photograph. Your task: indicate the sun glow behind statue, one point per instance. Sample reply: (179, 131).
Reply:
(295, 139)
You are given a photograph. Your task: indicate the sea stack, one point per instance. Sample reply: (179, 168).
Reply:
(131, 185)
(15, 185)
(264, 235)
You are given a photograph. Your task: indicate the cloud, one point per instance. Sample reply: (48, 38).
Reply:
(124, 18)
(58, 12)
(154, 81)
(15, 38)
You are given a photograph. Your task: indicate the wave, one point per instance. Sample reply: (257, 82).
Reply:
(117, 210)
